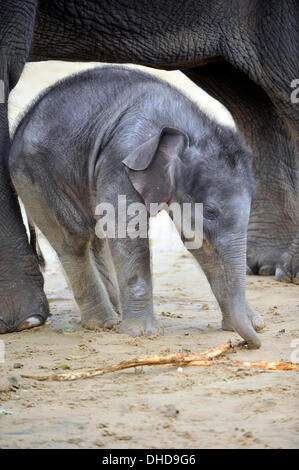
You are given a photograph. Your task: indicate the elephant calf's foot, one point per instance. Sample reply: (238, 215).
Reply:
(96, 322)
(139, 326)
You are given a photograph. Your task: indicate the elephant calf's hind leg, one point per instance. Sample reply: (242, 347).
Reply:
(88, 288)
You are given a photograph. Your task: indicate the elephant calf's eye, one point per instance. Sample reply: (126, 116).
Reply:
(210, 213)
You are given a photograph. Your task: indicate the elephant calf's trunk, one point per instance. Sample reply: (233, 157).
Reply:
(243, 326)
(235, 279)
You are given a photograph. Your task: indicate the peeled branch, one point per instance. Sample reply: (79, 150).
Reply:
(164, 359)
(204, 358)
(272, 365)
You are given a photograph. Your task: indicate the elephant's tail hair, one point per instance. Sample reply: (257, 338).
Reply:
(35, 245)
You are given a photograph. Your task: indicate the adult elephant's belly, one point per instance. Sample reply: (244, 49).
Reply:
(37, 76)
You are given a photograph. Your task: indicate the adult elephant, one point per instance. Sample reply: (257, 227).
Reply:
(244, 52)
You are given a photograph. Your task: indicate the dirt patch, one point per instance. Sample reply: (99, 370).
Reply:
(221, 406)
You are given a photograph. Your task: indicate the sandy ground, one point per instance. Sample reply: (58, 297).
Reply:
(154, 407)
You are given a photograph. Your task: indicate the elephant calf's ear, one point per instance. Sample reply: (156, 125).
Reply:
(148, 165)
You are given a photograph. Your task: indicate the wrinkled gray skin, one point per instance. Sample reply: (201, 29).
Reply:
(119, 131)
(244, 52)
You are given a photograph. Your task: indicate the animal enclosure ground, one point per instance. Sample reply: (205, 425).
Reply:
(153, 407)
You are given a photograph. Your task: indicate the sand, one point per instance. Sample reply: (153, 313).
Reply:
(153, 407)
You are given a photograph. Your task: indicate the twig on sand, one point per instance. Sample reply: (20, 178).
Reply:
(176, 359)
(204, 358)
(270, 365)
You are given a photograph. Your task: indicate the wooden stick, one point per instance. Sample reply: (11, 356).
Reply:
(201, 359)
(176, 359)
(272, 365)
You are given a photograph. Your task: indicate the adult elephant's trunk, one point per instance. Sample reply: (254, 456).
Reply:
(232, 256)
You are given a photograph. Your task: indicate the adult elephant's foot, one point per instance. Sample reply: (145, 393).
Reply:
(288, 266)
(139, 326)
(273, 256)
(262, 259)
(23, 305)
(255, 318)
(272, 227)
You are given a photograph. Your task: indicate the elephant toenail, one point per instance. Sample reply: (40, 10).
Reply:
(258, 323)
(30, 322)
(281, 276)
(109, 324)
(266, 270)
(3, 327)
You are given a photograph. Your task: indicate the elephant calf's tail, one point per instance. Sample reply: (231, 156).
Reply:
(35, 245)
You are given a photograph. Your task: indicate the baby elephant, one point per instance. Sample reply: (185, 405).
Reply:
(114, 131)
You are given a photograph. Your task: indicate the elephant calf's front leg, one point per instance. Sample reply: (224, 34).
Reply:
(132, 262)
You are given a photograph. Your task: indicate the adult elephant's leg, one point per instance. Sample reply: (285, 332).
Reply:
(275, 207)
(22, 301)
(272, 61)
